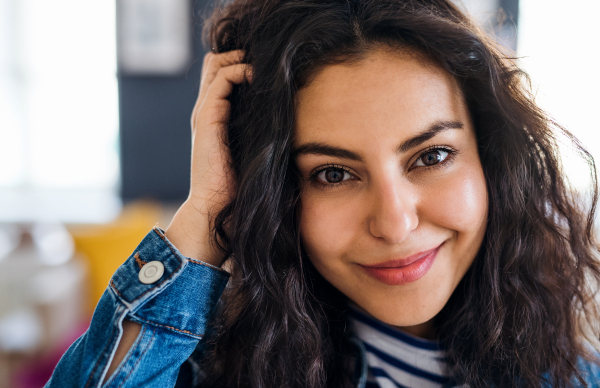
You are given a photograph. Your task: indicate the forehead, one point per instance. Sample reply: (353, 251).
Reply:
(388, 93)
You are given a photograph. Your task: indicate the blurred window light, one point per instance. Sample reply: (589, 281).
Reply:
(58, 95)
(558, 47)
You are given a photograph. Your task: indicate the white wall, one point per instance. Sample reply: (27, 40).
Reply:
(559, 46)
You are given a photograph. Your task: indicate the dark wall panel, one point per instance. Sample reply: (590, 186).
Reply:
(155, 141)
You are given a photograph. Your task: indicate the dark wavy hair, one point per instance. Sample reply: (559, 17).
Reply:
(524, 312)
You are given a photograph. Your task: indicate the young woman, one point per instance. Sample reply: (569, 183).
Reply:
(391, 206)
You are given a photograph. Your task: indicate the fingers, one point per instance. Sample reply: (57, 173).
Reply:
(210, 68)
(225, 78)
(214, 108)
(213, 62)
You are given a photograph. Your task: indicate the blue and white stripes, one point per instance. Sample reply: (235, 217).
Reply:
(397, 359)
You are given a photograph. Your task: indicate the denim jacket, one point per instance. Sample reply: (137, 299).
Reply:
(173, 312)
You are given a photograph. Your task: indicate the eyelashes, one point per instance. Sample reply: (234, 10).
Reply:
(335, 175)
(434, 157)
(331, 171)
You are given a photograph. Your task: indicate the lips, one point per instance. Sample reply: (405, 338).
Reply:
(405, 270)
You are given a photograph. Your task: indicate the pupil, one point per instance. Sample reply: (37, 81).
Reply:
(432, 158)
(334, 176)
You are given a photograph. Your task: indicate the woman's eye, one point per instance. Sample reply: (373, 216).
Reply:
(431, 158)
(333, 175)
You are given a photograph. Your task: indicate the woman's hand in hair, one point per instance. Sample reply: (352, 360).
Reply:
(212, 183)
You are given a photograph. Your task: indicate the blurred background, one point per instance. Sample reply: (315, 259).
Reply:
(95, 100)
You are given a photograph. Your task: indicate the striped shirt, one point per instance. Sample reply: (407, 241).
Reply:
(397, 359)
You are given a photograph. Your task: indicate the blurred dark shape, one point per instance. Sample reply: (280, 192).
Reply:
(155, 139)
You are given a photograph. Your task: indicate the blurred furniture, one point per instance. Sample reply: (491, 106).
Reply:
(42, 293)
(106, 246)
(51, 277)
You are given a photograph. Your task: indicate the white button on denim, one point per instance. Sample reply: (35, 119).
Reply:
(151, 272)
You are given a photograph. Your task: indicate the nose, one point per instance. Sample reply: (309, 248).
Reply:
(394, 212)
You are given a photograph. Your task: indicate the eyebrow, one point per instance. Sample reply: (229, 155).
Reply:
(316, 148)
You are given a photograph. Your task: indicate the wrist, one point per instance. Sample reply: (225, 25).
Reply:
(190, 233)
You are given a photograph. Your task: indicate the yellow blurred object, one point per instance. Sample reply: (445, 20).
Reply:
(107, 246)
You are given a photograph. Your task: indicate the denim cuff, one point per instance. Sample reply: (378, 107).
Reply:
(182, 300)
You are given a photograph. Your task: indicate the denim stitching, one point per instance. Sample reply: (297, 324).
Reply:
(150, 289)
(98, 361)
(139, 261)
(195, 261)
(129, 355)
(207, 265)
(164, 239)
(139, 359)
(112, 284)
(168, 327)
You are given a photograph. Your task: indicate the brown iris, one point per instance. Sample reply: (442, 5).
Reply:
(334, 175)
(431, 158)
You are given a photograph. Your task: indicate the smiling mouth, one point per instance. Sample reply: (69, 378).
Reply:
(405, 270)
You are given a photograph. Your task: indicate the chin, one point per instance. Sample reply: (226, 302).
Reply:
(400, 316)
(403, 320)
(405, 309)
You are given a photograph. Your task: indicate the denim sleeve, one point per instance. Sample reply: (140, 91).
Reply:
(590, 370)
(173, 312)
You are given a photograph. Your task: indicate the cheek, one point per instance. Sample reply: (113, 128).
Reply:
(320, 221)
(459, 203)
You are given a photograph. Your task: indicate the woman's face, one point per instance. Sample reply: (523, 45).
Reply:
(394, 200)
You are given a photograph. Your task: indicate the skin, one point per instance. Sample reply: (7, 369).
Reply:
(389, 204)
(211, 186)
(389, 208)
